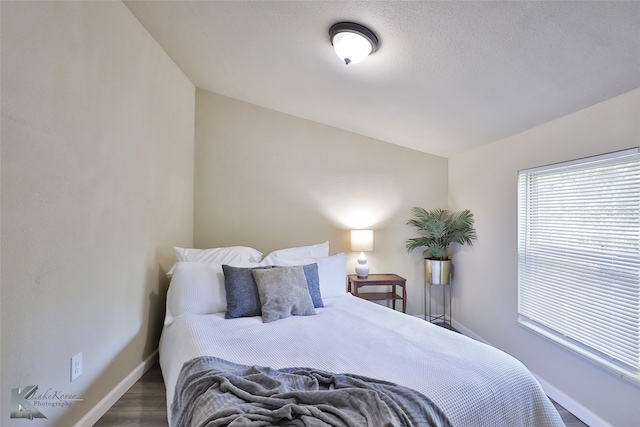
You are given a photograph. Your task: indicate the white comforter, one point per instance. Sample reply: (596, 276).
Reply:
(473, 383)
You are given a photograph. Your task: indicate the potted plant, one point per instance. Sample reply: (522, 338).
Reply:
(439, 228)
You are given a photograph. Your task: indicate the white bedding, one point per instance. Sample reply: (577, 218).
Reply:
(473, 383)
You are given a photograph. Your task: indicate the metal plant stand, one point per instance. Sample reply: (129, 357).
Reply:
(444, 318)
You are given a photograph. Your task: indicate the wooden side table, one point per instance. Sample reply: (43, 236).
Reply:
(393, 280)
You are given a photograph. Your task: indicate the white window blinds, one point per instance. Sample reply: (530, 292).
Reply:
(579, 256)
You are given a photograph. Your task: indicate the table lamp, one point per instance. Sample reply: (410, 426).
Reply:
(362, 240)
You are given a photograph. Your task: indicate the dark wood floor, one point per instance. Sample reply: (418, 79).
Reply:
(145, 405)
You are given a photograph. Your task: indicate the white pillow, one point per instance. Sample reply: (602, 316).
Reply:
(228, 255)
(332, 272)
(231, 255)
(299, 252)
(197, 288)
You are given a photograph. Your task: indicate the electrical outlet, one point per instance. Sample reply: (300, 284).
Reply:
(76, 366)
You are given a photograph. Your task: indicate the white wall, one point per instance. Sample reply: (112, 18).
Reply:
(97, 185)
(485, 289)
(270, 180)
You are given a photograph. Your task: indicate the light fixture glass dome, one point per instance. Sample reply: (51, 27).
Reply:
(352, 42)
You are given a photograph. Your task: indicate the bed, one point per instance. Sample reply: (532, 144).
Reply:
(473, 384)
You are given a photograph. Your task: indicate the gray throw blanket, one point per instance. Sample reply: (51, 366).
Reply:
(215, 392)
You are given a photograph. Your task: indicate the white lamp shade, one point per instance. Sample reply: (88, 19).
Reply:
(362, 240)
(351, 47)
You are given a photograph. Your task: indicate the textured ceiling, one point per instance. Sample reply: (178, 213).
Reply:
(448, 76)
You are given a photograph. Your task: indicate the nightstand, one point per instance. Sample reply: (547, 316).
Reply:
(392, 280)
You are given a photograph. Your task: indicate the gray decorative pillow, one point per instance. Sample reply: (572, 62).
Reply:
(283, 292)
(242, 292)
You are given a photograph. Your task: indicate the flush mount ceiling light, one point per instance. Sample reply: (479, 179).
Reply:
(352, 42)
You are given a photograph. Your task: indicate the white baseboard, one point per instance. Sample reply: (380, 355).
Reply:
(468, 332)
(566, 401)
(112, 397)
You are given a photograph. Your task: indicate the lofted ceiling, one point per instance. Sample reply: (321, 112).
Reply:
(448, 76)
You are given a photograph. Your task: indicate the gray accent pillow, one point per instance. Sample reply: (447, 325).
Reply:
(283, 292)
(243, 299)
(313, 283)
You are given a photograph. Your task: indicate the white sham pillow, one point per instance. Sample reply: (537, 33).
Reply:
(227, 255)
(230, 255)
(299, 252)
(332, 274)
(197, 288)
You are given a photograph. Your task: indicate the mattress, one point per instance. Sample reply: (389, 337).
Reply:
(473, 383)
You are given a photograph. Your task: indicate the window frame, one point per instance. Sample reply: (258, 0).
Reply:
(533, 254)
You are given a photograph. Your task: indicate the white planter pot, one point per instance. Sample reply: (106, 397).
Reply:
(437, 272)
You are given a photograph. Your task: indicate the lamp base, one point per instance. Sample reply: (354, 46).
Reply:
(362, 270)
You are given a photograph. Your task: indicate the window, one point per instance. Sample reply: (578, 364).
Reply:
(579, 257)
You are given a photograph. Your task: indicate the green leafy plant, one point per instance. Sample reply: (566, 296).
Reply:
(439, 228)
